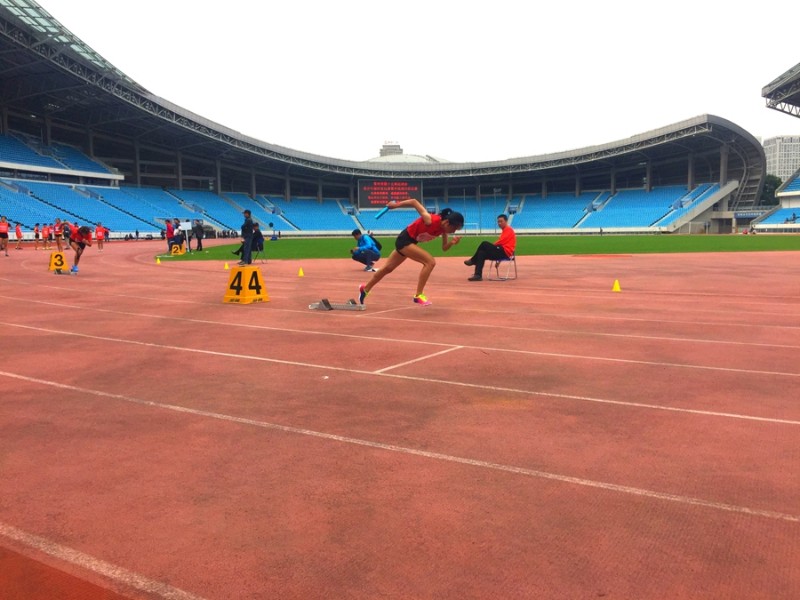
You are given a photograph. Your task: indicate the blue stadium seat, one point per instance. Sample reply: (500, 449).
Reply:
(308, 214)
(558, 211)
(13, 150)
(794, 184)
(74, 159)
(634, 208)
(782, 216)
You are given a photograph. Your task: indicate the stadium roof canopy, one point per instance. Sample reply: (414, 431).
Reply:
(47, 73)
(783, 94)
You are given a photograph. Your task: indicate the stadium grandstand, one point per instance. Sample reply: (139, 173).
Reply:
(783, 95)
(81, 140)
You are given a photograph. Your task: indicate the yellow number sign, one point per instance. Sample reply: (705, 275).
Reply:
(58, 261)
(246, 286)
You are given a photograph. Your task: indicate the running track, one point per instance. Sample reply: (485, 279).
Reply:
(542, 438)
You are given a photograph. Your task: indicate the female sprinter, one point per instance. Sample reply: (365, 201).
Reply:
(424, 229)
(58, 231)
(78, 241)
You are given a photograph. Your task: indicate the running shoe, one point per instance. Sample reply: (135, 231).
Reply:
(422, 299)
(74, 268)
(362, 293)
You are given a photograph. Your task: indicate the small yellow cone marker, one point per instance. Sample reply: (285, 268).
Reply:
(616, 287)
(158, 261)
(300, 272)
(226, 266)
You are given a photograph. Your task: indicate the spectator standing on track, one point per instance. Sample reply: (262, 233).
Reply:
(199, 234)
(46, 235)
(58, 233)
(427, 227)
(170, 234)
(247, 238)
(502, 249)
(80, 238)
(4, 226)
(19, 236)
(257, 244)
(100, 235)
(36, 236)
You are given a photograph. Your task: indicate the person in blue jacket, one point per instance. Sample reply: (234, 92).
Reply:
(367, 252)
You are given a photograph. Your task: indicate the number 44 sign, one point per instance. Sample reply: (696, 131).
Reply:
(246, 286)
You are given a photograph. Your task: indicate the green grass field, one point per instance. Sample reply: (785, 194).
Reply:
(535, 245)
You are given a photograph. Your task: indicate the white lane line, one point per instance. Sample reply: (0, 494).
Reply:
(411, 362)
(658, 338)
(621, 318)
(642, 294)
(477, 386)
(676, 409)
(241, 325)
(631, 361)
(450, 345)
(612, 487)
(379, 315)
(387, 311)
(110, 571)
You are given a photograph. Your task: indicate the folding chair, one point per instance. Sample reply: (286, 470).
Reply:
(257, 256)
(507, 263)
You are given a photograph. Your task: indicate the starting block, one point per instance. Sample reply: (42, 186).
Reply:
(63, 272)
(325, 304)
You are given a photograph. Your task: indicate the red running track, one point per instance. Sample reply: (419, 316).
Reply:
(538, 438)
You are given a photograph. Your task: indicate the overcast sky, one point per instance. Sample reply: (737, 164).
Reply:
(461, 81)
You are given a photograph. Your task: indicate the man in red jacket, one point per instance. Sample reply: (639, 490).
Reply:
(502, 249)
